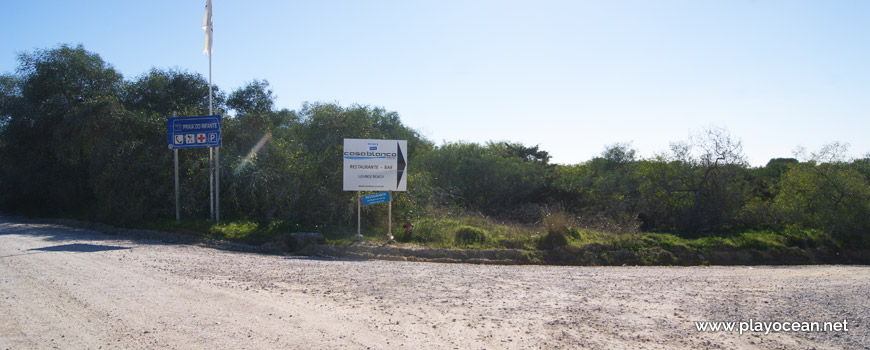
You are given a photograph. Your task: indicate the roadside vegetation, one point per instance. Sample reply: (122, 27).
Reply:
(79, 140)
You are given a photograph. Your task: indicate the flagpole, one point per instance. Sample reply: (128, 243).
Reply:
(210, 108)
(210, 149)
(213, 152)
(217, 162)
(217, 156)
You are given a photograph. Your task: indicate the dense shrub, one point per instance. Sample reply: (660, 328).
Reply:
(553, 239)
(468, 235)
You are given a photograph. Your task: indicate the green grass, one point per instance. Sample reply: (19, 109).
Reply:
(254, 232)
(238, 230)
(751, 239)
(245, 231)
(474, 232)
(447, 232)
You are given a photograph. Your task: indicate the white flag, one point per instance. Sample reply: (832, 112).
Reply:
(206, 25)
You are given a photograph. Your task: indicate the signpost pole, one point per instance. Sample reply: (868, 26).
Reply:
(390, 216)
(217, 183)
(175, 159)
(358, 216)
(177, 205)
(210, 183)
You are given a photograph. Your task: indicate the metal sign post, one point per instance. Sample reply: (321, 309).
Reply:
(358, 216)
(211, 183)
(217, 184)
(175, 157)
(390, 217)
(177, 205)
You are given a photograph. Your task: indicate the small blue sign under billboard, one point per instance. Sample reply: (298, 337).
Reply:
(194, 132)
(377, 198)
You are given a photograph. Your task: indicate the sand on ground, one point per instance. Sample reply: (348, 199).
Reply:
(69, 288)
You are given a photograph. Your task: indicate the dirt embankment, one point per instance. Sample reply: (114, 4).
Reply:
(591, 255)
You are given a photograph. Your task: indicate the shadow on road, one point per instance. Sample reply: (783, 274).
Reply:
(64, 231)
(79, 248)
(318, 258)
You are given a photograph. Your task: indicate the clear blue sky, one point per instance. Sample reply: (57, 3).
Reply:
(570, 76)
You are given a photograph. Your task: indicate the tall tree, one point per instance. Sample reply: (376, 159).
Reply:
(162, 92)
(827, 192)
(60, 106)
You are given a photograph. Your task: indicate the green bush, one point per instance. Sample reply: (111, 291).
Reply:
(553, 239)
(805, 237)
(467, 235)
(431, 231)
(760, 240)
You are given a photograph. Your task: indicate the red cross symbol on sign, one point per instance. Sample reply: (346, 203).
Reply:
(200, 138)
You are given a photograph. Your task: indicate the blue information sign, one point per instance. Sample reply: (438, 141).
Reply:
(377, 198)
(194, 132)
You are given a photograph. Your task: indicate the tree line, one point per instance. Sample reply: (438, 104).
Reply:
(78, 139)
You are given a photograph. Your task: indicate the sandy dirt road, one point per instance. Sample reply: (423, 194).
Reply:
(77, 289)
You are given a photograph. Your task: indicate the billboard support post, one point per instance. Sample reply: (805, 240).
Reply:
(358, 216)
(390, 217)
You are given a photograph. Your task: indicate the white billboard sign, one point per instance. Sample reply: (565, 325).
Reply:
(375, 165)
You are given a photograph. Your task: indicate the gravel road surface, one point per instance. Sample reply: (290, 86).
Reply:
(68, 288)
